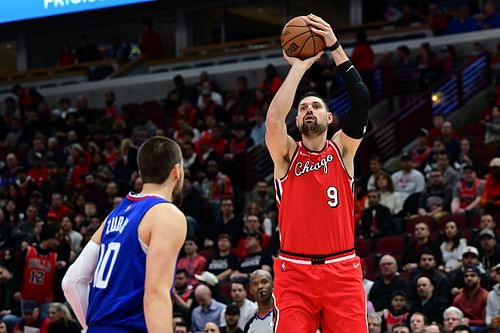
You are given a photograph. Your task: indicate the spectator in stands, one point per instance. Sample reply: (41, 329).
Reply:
(271, 83)
(386, 283)
(400, 328)
(434, 328)
(451, 177)
(266, 218)
(427, 63)
(261, 288)
(489, 253)
(428, 266)
(363, 58)
(407, 180)
(232, 317)
(462, 22)
(449, 61)
(87, 51)
(66, 55)
(252, 224)
(493, 302)
(144, 130)
(452, 317)
(450, 140)
(150, 40)
(409, 16)
(209, 100)
(437, 123)
(118, 50)
(436, 19)
(57, 208)
(256, 258)
(421, 150)
(418, 321)
(388, 196)
(31, 317)
(74, 237)
(421, 241)
(432, 306)
(435, 200)
(375, 166)
(490, 199)
(396, 313)
(223, 263)
(470, 257)
(208, 310)
(195, 205)
(374, 323)
(404, 70)
(262, 196)
(462, 329)
(216, 186)
(228, 222)
(181, 92)
(492, 127)
(182, 293)
(239, 297)
(467, 192)
(452, 247)
(27, 99)
(376, 219)
(472, 300)
(491, 18)
(61, 320)
(258, 131)
(468, 157)
(23, 232)
(193, 262)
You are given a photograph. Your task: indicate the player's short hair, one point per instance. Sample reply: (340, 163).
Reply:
(156, 158)
(313, 94)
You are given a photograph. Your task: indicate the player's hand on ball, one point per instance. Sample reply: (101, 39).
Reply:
(321, 27)
(306, 62)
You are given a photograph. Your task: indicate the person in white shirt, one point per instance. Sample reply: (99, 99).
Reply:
(239, 298)
(408, 180)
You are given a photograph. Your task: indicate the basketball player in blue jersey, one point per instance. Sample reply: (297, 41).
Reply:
(121, 281)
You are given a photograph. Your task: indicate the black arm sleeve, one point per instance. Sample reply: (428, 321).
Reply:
(355, 121)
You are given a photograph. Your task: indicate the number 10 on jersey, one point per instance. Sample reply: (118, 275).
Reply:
(104, 265)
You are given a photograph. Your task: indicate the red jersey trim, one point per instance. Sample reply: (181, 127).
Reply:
(137, 197)
(340, 158)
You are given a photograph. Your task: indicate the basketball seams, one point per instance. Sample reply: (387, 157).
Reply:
(304, 44)
(288, 41)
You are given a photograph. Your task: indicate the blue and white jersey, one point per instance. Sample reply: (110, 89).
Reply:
(117, 290)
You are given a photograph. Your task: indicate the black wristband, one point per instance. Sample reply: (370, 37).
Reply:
(333, 47)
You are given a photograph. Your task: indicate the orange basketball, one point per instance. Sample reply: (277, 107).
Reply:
(298, 40)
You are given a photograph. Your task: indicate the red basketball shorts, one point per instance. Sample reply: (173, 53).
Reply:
(330, 294)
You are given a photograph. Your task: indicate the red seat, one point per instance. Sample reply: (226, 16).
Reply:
(459, 219)
(410, 224)
(390, 245)
(363, 247)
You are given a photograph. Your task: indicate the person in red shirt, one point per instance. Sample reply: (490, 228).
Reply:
(272, 82)
(472, 299)
(31, 317)
(490, 199)
(363, 58)
(193, 262)
(150, 40)
(318, 277)
(57, 208)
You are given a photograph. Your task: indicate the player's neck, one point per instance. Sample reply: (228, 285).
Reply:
(165, 190)
(264, 308)
(316, 143)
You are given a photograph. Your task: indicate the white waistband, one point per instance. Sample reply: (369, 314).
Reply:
(309, 262)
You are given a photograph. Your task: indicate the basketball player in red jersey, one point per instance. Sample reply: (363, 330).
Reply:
(318, 277)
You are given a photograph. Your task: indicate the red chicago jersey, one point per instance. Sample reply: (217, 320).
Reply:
(39, 276)
(468, 193)
(316, 203)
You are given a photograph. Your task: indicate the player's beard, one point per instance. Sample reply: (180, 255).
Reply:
(312, 129)
(178, 194)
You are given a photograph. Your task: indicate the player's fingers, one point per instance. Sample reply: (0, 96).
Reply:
(315, 19)
(319, 24)
(319, 31)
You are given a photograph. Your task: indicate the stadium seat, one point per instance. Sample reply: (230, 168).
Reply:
(390, 245)
(459, 219)
(410, 224)
(363, 246)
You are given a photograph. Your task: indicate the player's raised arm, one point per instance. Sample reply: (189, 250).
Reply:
(277, 140)
(75, 283)
(167, 227)
(353, 127)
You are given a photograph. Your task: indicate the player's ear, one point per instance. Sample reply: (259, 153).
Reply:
(175, 173)
(329, 117)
